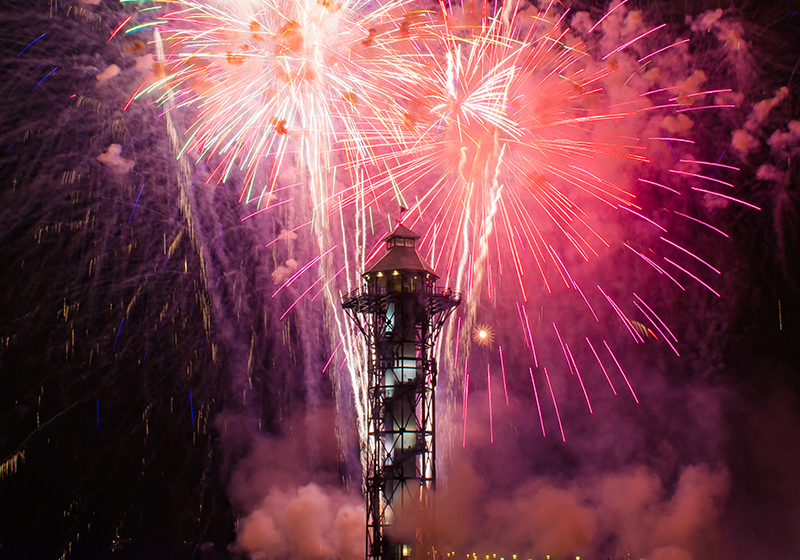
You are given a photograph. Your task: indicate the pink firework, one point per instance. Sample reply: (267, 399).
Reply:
(526, 146)
(522, 151)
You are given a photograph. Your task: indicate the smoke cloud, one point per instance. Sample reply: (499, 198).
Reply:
(304, 523)
(289, 490)
(746, 140)
(603, 514)
(287, 235)
(144, 63)
(786, 143)
(284, 271)
(110, 71)
(113, 159)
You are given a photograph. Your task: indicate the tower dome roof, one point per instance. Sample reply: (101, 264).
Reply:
(401, 254)
(401, 232)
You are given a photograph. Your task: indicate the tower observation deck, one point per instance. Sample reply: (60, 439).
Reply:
(400, 311)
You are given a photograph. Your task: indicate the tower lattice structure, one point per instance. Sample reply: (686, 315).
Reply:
(400, 311)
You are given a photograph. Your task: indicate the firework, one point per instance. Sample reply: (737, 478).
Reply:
(276, 83)
(501, 155)
(517, 139)
(483, 335)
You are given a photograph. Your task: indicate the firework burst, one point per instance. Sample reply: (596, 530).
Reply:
(519, 152)
(515, 138)
(276, 83)
(512, 121)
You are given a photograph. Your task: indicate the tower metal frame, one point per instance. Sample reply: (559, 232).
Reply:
(400, 312)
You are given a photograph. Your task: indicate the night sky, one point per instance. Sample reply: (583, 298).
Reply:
(154, 405)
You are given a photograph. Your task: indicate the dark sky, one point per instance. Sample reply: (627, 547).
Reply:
(150, 397)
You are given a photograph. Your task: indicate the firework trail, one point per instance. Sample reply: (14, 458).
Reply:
(285, 86)
(138, 315)
(275, 83)
(495, 127)
(501, 156)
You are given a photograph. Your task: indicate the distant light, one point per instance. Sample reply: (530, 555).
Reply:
(483, 334)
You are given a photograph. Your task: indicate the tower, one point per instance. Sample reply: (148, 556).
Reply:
(400, 311)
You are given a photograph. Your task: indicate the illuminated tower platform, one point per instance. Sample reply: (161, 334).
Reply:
(400, 312)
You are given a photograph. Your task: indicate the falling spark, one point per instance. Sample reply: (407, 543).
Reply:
(491, 417)
(610, 384)
(580, 379)
(488, 130)
(555, 406)
(732, 199)
(31, 44)
(536, 397)
(625, 377)
(503, 371)
(137, 202)
(43, 79)
(466, 403)
(119, 329)
(690, 254)
(709, 288)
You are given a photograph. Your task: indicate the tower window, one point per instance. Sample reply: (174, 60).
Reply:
(399, 242)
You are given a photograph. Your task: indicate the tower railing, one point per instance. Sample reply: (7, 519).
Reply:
(400, 312)
(429, 289)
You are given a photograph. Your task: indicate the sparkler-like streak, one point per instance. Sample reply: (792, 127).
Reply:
(284, 85)
(514, 123)
(505, 119)
(270, 81)
(330, 183)
(490, 125)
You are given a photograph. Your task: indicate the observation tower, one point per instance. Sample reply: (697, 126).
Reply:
(400, 311)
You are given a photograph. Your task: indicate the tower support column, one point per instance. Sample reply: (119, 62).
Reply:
(400, 311)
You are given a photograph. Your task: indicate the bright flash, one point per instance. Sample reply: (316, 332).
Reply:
(483, 335)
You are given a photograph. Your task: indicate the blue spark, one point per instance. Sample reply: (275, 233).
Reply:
(670, 148)
(43, 79)
(118, 331)
(137, 202)
(30, 44)
(719, 160)
(191, 406)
